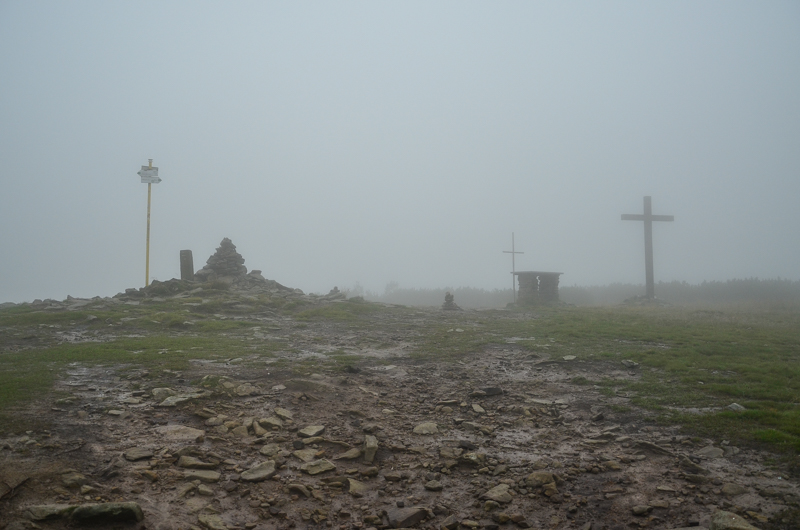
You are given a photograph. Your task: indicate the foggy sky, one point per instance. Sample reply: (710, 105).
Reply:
(344, 142)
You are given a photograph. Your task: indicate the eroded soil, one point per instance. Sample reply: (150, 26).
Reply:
(570, 454)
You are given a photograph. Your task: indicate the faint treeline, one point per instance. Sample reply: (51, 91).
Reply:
(747, 291)
(466, 297)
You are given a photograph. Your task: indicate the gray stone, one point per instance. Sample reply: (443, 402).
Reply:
(211, 522)
(473, 459)
(203, 475)
(349, 455)
(652, 448)
(370, 448)
(270, 449)
(240, 431)
(137, 453)
(272, 421)
(311, 430)
(160, 394)
(357, 488)
(735, 407)
(405, 517)
(451, 523)
(710, 452)
(194, 463)
(299, 488)
(258, 430)
(428, 427)
(204, 490)
(283, 414)
(245, 389)
(73, 479)
(47, 512)
(539, 478)
(732, 490)
(317, 466)
(180, 433)
(434, 485)
(687, 465)
(498, 493)
(260, 472)
(174, 401)
(722, 520)
(306, 455)
(109, 512)
(641, 509)
(731, 451)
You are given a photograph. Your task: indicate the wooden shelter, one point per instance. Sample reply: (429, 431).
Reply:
(537, 287)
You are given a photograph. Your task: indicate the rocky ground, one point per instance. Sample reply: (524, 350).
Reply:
(503, 437)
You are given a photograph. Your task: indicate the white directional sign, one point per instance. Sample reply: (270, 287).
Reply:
(149, 175)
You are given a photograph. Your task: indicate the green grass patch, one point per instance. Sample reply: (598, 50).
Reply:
(338, 311)
(30, 374)
(691, 360)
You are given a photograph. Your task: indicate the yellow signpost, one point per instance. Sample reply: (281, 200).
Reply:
(149, 176)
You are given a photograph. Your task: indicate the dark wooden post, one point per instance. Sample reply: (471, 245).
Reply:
(187, 265)
(648, 219)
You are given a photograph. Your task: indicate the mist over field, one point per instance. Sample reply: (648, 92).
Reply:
(361, 144)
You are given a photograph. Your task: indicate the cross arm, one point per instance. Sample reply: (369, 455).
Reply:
(640, 217)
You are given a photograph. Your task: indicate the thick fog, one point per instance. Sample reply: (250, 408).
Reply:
(371, 142)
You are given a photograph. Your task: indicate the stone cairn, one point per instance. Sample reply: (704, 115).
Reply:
(449, 304)
(224, 263)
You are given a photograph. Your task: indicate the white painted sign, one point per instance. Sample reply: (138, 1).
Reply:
(149, 175)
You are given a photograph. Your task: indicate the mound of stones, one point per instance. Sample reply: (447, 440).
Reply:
(224, 263)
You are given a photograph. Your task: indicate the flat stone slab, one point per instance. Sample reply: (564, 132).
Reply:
(260, 472)
(428, 427)
(710, 452)
(270, 449)
(733, 489)
(48, 512)
(434, 485)
(203, 475)
(311, 430)
(211, 522)
(357, 488)
(109, 512)
(160, 394)
(306, 455)
(498, 493)
(246, 389)
(405, 517)
(191, 462)
(349, 455)
(283, 413)
(317, 466)
(137, 453)
(272, 421)
(180, 432)
(174, 401)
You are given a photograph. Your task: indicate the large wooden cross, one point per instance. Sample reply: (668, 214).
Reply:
(648, 219)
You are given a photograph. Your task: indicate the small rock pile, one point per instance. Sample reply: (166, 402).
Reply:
(449, 304)
(224, 263)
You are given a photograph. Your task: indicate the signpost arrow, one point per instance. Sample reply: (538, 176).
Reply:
(149, 175)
